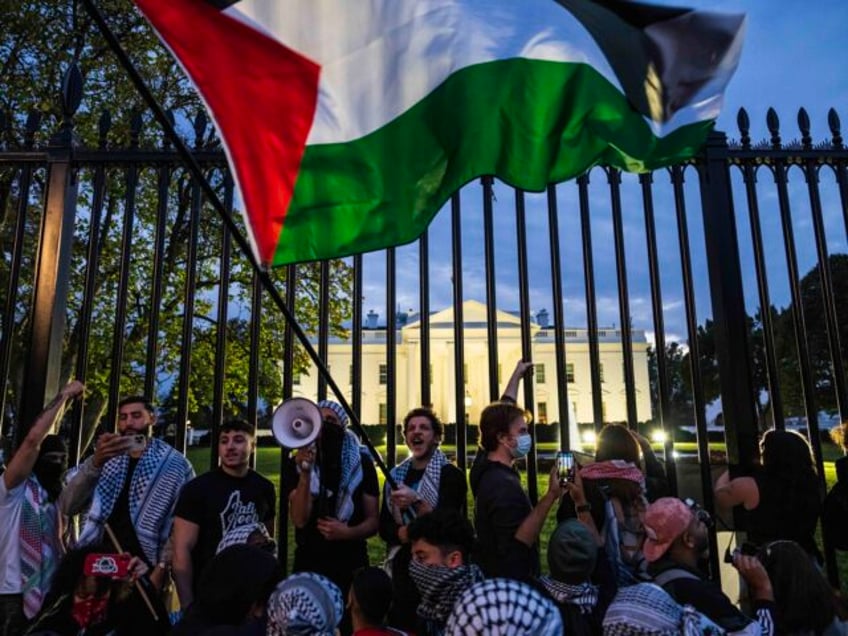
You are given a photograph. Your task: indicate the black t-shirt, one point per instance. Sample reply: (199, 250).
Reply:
(218, 502)
(121, 523)
(314, 553)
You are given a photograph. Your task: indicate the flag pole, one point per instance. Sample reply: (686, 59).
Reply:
(196, 172)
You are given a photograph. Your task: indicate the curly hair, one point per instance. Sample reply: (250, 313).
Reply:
(430, 414)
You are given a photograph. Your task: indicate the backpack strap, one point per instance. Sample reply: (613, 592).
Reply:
(673, 574)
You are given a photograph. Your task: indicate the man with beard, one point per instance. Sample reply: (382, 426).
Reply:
(441, 543)
(677, 540)
(333, 493)
(217, 502)
(30, 547)
(426, 481)
(131, 484)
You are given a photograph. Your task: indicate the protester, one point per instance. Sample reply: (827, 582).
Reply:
(129, 485)
(441, 542)
(646, 609)
(305, 604)
(677, 540)
(218, 502)
(426, 481)
(369, 601)
(572, 559)
(501, 607)
(804, 601)
(85, 603)
(333, 497)
(30, 545)
(615, 493)
(232, 594)
(781, 499)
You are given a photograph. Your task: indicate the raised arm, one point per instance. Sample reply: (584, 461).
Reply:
(510, 393)
(23, 461)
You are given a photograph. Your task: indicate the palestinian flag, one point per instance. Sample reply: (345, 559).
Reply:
(348, 123)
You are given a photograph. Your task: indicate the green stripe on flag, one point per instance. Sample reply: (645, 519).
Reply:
(528, 122)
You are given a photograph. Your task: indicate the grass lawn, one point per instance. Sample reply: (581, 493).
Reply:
(268, 464)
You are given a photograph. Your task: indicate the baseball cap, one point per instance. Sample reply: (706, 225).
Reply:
(665, 520)
(572, 552)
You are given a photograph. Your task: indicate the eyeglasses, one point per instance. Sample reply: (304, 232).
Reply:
(699, 513)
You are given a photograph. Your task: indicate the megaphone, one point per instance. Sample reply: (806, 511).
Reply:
(296, 423)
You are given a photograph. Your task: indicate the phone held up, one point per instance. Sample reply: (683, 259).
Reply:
(136, 443)
(565, 467)
(114, 566)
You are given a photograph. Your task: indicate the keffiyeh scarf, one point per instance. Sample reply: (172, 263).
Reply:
(503, 606)
(305, 604)
(39, 545)
(584, 595)
(646, 609)
(428, 487)
(614, 469)
(156, 482)
(240, 534)
(352, 457)
(440, 587)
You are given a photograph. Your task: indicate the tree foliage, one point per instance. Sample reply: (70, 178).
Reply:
(37, 44)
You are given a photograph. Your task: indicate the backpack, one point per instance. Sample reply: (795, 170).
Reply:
(623, 532)
(835, 516)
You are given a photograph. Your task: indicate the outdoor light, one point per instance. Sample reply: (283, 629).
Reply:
(467, 399)
(659, 436)
(588, 437)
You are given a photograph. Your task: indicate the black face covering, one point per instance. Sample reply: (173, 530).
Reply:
(330, 456)
(49, 474)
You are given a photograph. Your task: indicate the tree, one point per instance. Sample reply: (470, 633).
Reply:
(680, 402)
(38, 42)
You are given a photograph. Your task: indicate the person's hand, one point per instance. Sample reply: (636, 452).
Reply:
(403, 534)
(575, 489)
(109, 445)
(755, 576)
(332, 529)
(404, 497)
(305, 458)
(522, 367)
(72, 390)
(136, 569)
(555, 488)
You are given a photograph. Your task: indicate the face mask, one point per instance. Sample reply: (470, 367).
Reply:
(522, 447)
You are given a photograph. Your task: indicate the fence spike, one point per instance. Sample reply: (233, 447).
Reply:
(104, 124)
(32, 123)
(71, 92)
(172, 119)
(804, 125)
(136, 122)
(773, 123)
(744, 124)
(200, 123)
(835, 127)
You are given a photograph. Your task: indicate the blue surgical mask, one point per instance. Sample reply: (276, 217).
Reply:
(522, 447)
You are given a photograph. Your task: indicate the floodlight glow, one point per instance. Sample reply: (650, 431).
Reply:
(659, 436)
(588, 437)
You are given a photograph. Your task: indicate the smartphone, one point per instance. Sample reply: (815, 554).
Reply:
(114, 566)
(565, 466)
(136, 443)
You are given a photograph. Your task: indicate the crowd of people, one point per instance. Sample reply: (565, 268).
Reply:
(130, 541)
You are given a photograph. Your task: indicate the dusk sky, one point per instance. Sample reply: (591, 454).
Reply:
(794, 55)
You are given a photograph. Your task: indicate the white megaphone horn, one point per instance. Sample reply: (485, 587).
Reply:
(296, 423)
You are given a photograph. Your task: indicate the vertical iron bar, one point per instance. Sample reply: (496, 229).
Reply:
(356, 380)
(491, 292)
(807, 380)
(728, 304)
(694, 357)
(190, 290)
(391, 359)
(288, 390)
(458, 334)
(222, 328)
(614, 177)
(424, 316)
(526, 344)
(253, 363)
(666, 423)
(75, 448)
(812, 176)
(749, 172)
(323, 324)
(591, 309)
(565, 440)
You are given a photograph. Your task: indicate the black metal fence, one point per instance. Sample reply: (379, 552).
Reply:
(118, 272)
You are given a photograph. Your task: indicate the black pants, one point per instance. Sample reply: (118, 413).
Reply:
(13, 622)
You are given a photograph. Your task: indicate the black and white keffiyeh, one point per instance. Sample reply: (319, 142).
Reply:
(503, 607)
(440, 586)
(305, 604)
(240, 534)
(584, 595)
(428, 487)
(646, 609)
(353, 455)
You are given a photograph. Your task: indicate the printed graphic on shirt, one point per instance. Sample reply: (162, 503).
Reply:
(236, 513)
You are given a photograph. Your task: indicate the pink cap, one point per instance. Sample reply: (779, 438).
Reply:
(665, 520)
